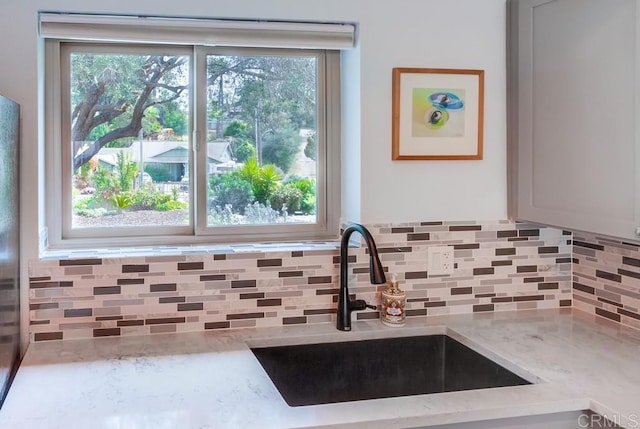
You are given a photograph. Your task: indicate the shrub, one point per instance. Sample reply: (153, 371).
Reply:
(307, 187)
(257, 213)
(286, 198)
(263, 179)
(171, 205)
(121, 201)
(148, 198)
(244, 151)
(231, 189)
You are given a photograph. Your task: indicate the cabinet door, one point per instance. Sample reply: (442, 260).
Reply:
(573, 110)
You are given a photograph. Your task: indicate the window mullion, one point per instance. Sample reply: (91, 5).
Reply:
(199, 177)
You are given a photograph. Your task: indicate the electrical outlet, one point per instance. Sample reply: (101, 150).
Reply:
(440, 260)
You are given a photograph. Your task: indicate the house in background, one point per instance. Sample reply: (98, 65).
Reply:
(168, 161)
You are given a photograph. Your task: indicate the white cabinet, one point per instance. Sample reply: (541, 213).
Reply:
(573, 114)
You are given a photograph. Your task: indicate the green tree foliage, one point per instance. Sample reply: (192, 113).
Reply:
(126, 171)
(111, 95)
(281, 147)
(244, 151)
(231, 189)
(307, 188)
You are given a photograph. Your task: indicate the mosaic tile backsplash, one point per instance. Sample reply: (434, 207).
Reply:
(607, 278)
(499, 266)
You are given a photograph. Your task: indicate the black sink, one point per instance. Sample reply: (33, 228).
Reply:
(312, 374)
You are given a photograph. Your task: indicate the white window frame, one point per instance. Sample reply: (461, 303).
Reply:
(58, 170)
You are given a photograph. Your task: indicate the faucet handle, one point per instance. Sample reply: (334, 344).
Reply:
(360, 304)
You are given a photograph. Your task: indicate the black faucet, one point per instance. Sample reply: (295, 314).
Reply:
(345, 305)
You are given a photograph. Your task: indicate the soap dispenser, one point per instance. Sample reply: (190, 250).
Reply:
(393, 301)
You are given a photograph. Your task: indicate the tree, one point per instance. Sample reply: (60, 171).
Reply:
(281, 147)
(112, 94)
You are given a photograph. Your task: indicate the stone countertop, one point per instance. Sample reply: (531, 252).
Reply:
(212, 380)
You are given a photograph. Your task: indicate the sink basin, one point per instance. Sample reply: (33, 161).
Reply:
(312, 374)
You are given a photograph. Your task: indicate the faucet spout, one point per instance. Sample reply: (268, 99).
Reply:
(376, 272)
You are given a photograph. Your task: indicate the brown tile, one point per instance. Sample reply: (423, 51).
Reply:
(471, 246)
(39, 322)
(507, 234)
(319, 280)
(634, 262)
(609, 276)
(523, 298)
(566, 303)
(334, 291)
(163, 320)
(163, 287)
(608, 314)
(502, 299)
(627, 313)
(425, 236)
(317, 311)
(44, 306)
(563, 260)
(269, 263)
(171, 299)
(529, 232)
(432, 304)
(130, 323)
(74, 262)
(484, 295)
(482, 307)
(107, 290)
(547, 250)
(418, 312)
(39, 279)
(402, 230)
(191, 306)
(548, 286)
(213, 277)
(461, 290)
(465, 228)
(533, 279)
(483, 271)
(285, 274)
(239, 316)
(47, 336)
(430, 223)
(404, 249)
(256, 295)
(297, 254)
(144, 268)
(123, 282)
(628, 273)
(219, 257)
(409, 275)
(588, 245)
(186, 266)
(506, 251)
(527, 268)
(501, 263)
(217, 325)
(106, 332)
(78, 312)
(274, 302)
(294, 320)
(49, 284)
(237, 284)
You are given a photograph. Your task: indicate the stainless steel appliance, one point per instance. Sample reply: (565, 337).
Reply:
(9, 244)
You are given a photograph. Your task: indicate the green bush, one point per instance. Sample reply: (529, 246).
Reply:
(121, 201)
(171, 205)
(307, 187)
(263, 179)
(230, 189)
(148, 199)
(286, 197)
(244, 151)
(281, 147)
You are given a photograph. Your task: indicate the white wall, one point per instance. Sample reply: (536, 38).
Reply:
(404, 33)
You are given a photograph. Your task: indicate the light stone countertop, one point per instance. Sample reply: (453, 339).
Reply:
(212, 380)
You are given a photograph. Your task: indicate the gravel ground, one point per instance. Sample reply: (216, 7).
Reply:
(135, 218)
(153, 218)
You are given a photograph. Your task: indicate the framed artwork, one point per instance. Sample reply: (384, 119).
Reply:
(437, 114)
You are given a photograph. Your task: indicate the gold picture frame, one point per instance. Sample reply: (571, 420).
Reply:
(437, 114)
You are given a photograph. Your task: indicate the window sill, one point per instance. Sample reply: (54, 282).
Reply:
(119, 252)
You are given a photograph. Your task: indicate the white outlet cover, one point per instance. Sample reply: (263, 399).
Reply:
(440, 260)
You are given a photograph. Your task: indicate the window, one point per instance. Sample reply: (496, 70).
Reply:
(185, 143)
